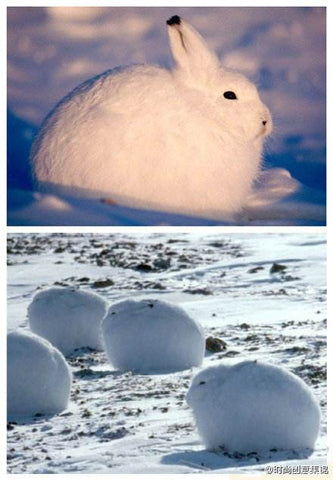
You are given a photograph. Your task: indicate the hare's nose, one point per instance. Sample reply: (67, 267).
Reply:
(264, 122)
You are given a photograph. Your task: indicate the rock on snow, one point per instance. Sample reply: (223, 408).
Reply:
(68, 318)
(150, 336)
(253, 406)
(38, 377)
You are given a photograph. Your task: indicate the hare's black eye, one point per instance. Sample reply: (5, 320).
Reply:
(230, 95)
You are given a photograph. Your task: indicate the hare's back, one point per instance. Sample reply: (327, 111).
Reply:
(107, 108)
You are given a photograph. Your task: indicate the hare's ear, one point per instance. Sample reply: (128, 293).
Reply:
(191, 54)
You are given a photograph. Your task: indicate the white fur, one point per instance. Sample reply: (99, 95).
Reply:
(38, 377)
(152, 138)
(150, 336)
(253, 406)
(68, 318)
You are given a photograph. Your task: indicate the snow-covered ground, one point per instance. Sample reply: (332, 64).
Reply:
(262, 294)
(53, 49)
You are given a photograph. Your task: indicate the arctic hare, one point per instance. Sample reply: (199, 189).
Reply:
(253, 406)
(187, 140)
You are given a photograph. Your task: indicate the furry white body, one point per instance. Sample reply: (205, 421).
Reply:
(253, 406)
(152, 138)
(38, 377)
(68, 318)
(151, 336)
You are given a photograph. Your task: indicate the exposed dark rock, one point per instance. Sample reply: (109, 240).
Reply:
(255, 269)
(103, 283)
(277, 268)
(215, 344)
(198, 291)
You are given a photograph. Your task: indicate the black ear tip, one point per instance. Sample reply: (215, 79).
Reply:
(175, 20)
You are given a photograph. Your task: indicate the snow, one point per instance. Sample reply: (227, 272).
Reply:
(38, 377)
(253, 406)
(150, 336)
(125, 423)
(52, 50)
(68, 318)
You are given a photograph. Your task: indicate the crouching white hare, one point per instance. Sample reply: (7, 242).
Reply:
(253, 406)
(187, 140)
